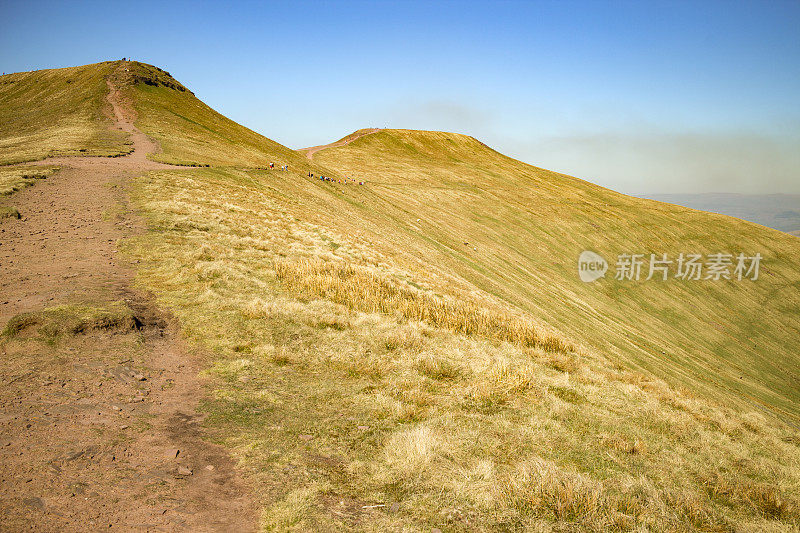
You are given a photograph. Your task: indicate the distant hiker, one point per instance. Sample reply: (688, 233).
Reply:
(271, 164)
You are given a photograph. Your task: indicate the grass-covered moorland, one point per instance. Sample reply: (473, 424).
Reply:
(418, 352)
(347, 416)
(57, 112)
(516, 231)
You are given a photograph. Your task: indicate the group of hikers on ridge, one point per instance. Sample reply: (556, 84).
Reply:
(335, 180)
(272, 166)
(322, 178)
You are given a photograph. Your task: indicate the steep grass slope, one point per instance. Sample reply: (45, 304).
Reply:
(350, 413)
(516, 231)
(57, 112)
(64, 112)
(372, 372)
(190, 132)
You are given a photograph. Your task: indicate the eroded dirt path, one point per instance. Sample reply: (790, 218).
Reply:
(99, 429)
(347, 140)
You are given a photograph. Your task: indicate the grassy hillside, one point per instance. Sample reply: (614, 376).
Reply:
(57, 112)
(515, 231)
(65, 112)
(190, 132)
(418, 352)
(348, 412)
(363, 379)
(385, 356)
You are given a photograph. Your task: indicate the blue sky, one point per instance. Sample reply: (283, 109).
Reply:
(642, 97)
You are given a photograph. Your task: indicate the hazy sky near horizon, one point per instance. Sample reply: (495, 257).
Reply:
(641, 97)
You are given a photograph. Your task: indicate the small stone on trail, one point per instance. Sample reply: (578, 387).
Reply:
(210, 468)
(140, 377)
(394, 507)
(35, 502)
(306, 437)
(172, 453)
(363, 428)
(124, 427)
(183, 471)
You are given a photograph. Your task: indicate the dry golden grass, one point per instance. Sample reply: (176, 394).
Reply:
(364, 289)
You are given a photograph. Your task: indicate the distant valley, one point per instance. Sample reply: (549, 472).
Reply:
(777, 211)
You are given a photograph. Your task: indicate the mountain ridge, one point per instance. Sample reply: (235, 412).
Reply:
(406, 345)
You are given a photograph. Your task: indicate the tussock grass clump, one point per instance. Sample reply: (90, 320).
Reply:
(9, 212)
(17, 178)
(409, 337)
(73, 320)
(366, 290)
(409, 452)
(438, 368)
(764, 498)
(499, 383)
(542, 488)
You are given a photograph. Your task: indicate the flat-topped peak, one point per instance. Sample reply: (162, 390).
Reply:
(136, 72)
